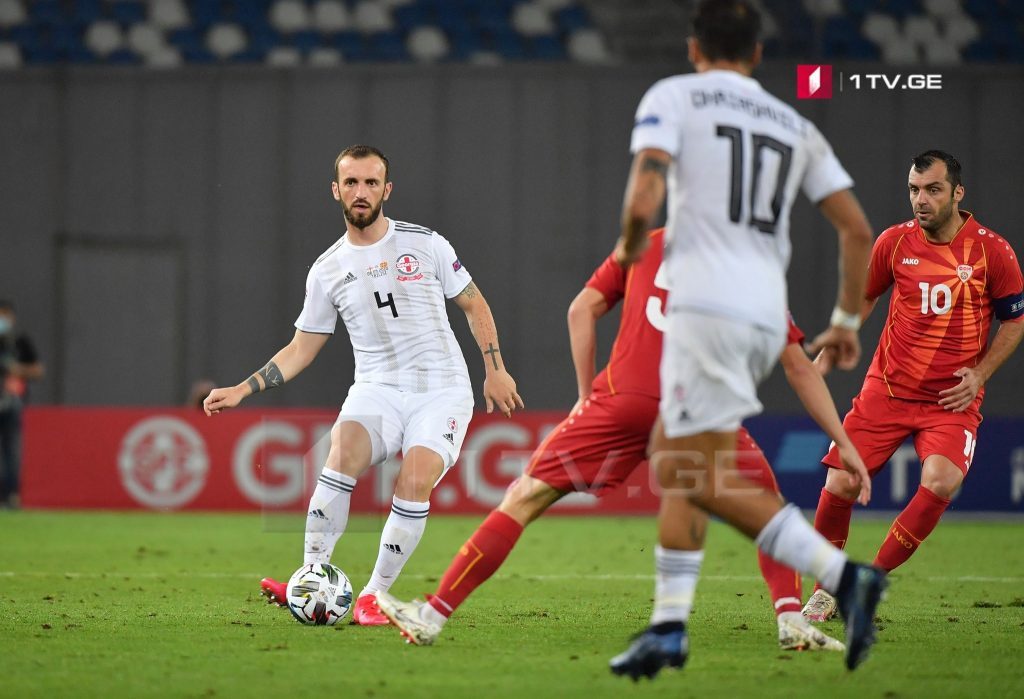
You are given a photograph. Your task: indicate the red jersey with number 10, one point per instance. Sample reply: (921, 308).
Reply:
(942, 305)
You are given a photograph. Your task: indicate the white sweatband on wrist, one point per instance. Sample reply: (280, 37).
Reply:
(844, 320)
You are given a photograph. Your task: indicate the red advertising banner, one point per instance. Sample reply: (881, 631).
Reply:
(179, 459)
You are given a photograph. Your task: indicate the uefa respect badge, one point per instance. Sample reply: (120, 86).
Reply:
(813, 82)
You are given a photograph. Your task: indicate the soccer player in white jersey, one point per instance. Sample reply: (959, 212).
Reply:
(388, 280)
(730, 158)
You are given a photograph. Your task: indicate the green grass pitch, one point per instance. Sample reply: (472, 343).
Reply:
(131, 605)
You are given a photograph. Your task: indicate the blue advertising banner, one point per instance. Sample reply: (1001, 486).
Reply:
(995, 482)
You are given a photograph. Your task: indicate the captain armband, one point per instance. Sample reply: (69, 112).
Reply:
(1009, 307)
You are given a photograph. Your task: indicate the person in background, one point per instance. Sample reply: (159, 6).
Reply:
(19, 364)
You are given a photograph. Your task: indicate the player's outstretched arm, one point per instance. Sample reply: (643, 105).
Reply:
(645, 193)
(845, 214)
(285, 365)
(499, 386)
(589, 305)
(1006, 339)
(806, 380)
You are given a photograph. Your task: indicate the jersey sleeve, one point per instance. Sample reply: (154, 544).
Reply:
(610, 280)
(1005, 283)
(318, 312)
(658, 119)
(880, 268)
(794, 335)
(825, 174)
(450, 272)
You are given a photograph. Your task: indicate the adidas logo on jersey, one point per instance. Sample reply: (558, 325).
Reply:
(348, 278)
(911, 261)
(393, 548)
(450, 437)
(319, 514)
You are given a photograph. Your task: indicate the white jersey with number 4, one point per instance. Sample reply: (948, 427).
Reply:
(739, 157)
(391, 297)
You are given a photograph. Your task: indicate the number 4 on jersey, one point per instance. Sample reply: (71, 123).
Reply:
(381, 303)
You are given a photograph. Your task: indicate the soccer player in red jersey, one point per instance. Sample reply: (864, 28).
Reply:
(950, 275)
(605, 437)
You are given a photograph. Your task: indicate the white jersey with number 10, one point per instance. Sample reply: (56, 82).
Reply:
(391, 297)
(739, 157)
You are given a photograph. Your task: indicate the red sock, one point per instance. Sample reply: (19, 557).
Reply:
(783, 583)
(832, 519)
(910, 528)
(476, 561)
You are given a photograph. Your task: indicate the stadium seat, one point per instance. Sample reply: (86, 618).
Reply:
(104, 37)
(145, 39)
(330, 16)
(324, 57)
(12, 13)
(289, 16)
(169, 14)
(371, 17)
(823, 9)
(427, 44)
(224, 40)
(530, 19)
(940, 52)
(587, 46)
(961, 30)
(10, 56)
(284, 57)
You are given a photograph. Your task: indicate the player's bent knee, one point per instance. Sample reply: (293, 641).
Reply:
(527, 499)
(841, 484)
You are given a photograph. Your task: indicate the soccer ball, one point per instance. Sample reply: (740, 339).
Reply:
(319, 594)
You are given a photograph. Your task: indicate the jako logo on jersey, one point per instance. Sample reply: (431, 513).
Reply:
(408, 266)
(652, 120)
(964, 272)
(911, 261)
(813, 82)
(378, 270)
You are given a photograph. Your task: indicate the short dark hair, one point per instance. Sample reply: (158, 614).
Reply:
(727, 29)
(927, 159)
(358, 152)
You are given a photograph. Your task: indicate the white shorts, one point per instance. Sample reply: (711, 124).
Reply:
(399, 420)
(710, 369)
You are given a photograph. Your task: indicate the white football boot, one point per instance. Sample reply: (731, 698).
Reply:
(409, 618)
(820, 607)
(795, 633)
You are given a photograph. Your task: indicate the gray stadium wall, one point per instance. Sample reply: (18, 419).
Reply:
(157, 227)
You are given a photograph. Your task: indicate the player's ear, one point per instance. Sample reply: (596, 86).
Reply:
(755, 58)
(693, 51)
(387, 189)
(336, 190)
(958, 193)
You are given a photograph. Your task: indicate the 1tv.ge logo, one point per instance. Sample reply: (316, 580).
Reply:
(813, 82)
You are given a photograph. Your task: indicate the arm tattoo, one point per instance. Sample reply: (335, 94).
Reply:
(470, 292)
(272, 377)
(253, 384)
(491, 351)
(654, 165)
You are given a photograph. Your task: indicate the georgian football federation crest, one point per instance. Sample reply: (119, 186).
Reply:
(408, 268)
(453, 425)
(964, 272)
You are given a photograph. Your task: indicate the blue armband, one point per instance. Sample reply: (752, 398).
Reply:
(1009, 307)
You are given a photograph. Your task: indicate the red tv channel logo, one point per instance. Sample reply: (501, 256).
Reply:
(813, 82)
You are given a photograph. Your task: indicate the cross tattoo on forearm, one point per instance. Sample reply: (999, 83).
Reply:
(491, 351)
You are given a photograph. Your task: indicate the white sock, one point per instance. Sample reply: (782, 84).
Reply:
(676, 583)
(327, 515)
(402, 533)
(431, 615)
(790, 539)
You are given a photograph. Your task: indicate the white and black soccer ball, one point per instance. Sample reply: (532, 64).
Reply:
(319, 594)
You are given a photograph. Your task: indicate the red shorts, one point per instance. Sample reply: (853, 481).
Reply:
(878, 424)
(596, 449)
(751, 462)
